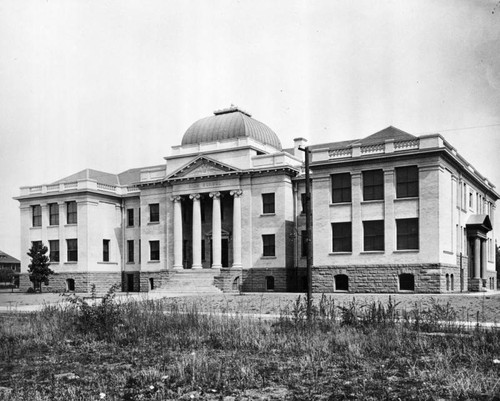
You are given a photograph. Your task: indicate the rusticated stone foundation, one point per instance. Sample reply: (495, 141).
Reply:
(259, 280)
(151, 280)
(76, 282)
(419, 278)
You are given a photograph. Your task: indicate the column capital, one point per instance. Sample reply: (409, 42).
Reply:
(195, 196)
(214, 194)
(236, 193)
(176, 198)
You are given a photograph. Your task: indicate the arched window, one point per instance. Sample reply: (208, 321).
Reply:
(269, 283)
(452, 282)
(70, 284)
(341, 282)
(447, 282)
(151, 283)
(236, 284)
(406, 282)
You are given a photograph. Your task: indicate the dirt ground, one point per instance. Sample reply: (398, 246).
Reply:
(469, 307)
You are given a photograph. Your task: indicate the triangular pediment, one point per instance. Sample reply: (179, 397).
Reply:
(202, 167)
(479, 221)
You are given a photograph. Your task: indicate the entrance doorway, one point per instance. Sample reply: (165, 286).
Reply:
(224, 252)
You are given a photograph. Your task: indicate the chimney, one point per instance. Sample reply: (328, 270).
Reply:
(299, 142)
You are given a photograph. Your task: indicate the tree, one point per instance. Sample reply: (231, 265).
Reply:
(6, 275)
(38, 269)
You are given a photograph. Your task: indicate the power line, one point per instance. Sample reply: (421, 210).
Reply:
(459, 129)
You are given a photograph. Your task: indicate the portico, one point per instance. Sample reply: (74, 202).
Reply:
(478, 227)
(205, 225)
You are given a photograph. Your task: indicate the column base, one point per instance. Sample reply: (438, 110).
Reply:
(178, 267)
(216, 266)
(236, 266)
(196, 267)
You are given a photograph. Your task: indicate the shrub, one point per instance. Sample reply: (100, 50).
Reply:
(97, 318)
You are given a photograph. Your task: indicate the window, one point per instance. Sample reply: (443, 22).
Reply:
(407, 233)
(70, 284)
(130, 217)
(71, 213)
(373, 235)
(304, 243)
(407, 182)
(303, 201)
(140, 251)
(105, 250)
(373, 185)
(130, 251)
(471, 197)
(267, 203)
(36, 244)
(406, 282)
(151, 283)
(269, 283)
(36, 212)
(154, 213)
(268, 245)
(342, 237)
(341, 282)
(54, 250)
(53, 214)
(154, 250)
(72, 245)
(341, 188)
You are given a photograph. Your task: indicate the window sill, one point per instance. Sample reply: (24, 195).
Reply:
(406, 251)
(340, 253)
(72, 262)
(153, 261)
(152, 223)
(406, 198)
(107, 263)
(70, 225)
(268, 257)
(130, 263)
(372, 252)
(372, 201)
(130, 226)
(340, 203)
(52, 225)
(35, 227)
(267, 214)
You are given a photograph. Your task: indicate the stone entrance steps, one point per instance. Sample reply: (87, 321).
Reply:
(190, 282)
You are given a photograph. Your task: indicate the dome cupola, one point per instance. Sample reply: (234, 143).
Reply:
(230, 123)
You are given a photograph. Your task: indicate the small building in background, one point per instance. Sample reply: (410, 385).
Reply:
(392, 212)
(10, 263)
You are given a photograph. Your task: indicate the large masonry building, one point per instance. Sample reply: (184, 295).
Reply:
(391, 213)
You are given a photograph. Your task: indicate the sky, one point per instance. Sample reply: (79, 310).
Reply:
(113, 84)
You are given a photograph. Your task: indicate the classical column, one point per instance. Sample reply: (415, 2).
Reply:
(477, 257)
(484, 259)
(196, 231)
(236, 228)
(216, 231)
(177, 232)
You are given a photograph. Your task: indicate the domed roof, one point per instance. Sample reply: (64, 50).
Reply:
(230, 123)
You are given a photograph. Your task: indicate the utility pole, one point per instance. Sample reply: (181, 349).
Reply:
(309, 232)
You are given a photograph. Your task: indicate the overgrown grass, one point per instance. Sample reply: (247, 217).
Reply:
(102, 349)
